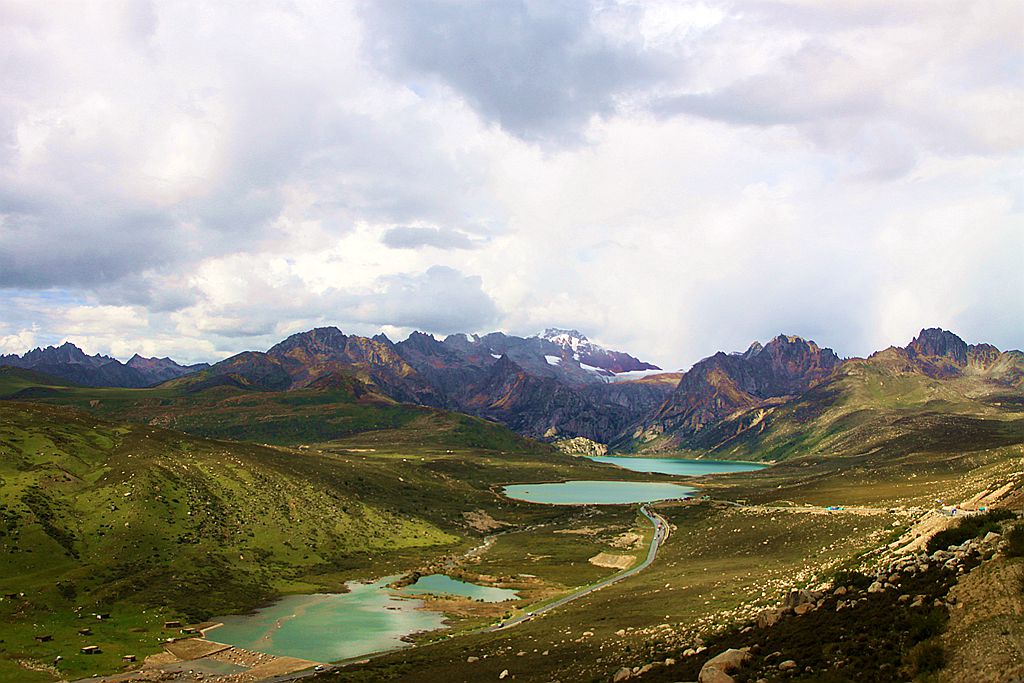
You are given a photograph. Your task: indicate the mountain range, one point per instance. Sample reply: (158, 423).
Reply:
(558, 384)
(69, 362)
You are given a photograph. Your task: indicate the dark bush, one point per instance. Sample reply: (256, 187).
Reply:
(848, 578)
(926, 657)
(968, 528)
(1015, 541)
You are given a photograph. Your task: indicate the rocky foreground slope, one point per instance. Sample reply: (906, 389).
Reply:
(939, 614)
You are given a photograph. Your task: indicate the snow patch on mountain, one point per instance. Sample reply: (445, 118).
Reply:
(636, 374)
(553, 360)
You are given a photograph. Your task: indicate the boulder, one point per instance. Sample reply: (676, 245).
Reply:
(503, 674)
(471, 659)
(876, 587)
(718, 668)
(798, 598)
(991, 536)
(839, 591)
(623, 674)
(787, 665)
(715, 676)
(769, 617)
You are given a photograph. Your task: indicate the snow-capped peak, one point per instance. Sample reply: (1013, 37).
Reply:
(567, 339)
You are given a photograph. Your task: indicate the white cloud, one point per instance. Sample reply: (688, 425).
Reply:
(671, 178)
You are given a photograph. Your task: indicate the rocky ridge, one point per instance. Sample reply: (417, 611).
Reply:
(70, 363)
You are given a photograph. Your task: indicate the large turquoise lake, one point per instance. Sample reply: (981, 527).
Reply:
(678, 466)
(327, 627)
(598, 492)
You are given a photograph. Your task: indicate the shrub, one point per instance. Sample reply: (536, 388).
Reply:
(968, 528)
(1015, 541)
(926, 657)
(849, 578)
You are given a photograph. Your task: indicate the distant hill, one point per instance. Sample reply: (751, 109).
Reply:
(552, 386)
(937, 394)
(69, 362)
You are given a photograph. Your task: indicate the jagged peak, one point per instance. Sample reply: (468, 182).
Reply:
(317, 335)
(935, 341)
(552, 332)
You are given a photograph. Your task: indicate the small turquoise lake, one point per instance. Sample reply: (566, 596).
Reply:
(327, 627)
(598, 492)
(442, 584)
(678, 466)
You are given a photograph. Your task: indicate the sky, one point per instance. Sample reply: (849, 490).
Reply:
(195, 179)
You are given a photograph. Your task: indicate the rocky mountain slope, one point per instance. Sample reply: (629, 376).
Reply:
(69, 362)
(769, 399)
(935, 388)
(537, 386)
(723, 384)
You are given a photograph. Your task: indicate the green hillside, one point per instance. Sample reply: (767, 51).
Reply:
(147, 523)
(334, 407)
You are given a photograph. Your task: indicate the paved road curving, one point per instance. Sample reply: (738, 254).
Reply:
(660, 534)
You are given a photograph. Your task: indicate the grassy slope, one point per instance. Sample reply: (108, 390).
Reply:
(866, 407)
(282, 418)
(716, 561)
(147, 523)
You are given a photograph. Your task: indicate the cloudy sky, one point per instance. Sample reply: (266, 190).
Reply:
(671, 178)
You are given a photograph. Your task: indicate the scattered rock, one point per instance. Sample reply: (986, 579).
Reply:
(840, 591)
(787, 665)
(623, 674)
(718, 668)
(503, 674)
(769, 617)
(876, 587)
(470, 660)
(800, 610)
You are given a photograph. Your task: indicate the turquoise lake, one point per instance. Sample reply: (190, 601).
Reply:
(678, 466)
(326, 627)
(597, 492)
(441, 584)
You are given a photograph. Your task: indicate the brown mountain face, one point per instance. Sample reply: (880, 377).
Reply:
(539, 387)
(941, 354)
(772, 399)
(723, 384)
(309, 355)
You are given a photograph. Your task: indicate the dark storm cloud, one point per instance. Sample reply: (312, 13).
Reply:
(414, 237)
(53, 247)
(540, 70)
